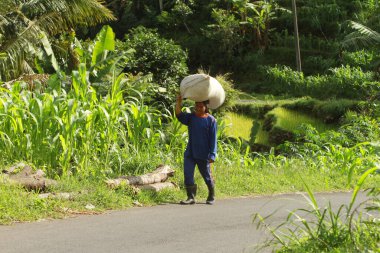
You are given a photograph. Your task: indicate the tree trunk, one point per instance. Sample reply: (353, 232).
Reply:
(161, 174)
(157, 186)
(296, 37)
(161, 4)
(31, 183)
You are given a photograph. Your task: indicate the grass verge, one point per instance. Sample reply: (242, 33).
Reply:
(234, 179)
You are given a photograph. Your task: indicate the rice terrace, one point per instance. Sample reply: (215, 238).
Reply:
(107, 107)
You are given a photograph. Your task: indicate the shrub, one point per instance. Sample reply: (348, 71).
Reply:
(254, 110)
(318, 64)
(349, 82)
(222, 39)
(278, 135)
(342, 82)
(363, 59)
(282, 79)
(156, 55)
(355, 129)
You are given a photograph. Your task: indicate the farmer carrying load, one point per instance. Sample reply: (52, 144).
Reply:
(202, 131)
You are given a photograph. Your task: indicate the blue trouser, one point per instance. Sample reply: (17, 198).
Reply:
(204, 169)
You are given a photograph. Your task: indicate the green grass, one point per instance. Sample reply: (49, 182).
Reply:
(18, 205)
(279, 176)
(234, 175)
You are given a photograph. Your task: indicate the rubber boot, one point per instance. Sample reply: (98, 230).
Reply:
(211, 195)
(191, 191)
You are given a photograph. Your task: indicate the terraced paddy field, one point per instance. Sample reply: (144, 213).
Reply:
(239, 125)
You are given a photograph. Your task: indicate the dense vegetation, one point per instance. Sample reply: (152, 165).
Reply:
(88, 91)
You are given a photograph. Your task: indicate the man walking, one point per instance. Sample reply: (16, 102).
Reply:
(201, 148)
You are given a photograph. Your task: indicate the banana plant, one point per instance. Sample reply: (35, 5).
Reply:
(101, 57)
(255, 19)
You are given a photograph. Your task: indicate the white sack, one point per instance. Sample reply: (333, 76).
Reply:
(202, 87)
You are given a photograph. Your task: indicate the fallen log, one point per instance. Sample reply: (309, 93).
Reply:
(30, 183)
(160, 174)
(23, 175)
(18, 168)
(157, 186)
(58, 195)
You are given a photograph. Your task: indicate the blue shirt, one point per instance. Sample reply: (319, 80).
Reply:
(202, 136)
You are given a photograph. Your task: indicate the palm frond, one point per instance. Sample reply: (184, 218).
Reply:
(6, 6)
(72, 12)
(23, 24)
(361, 37)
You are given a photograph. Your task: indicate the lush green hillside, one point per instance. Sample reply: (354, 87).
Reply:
(87, 94)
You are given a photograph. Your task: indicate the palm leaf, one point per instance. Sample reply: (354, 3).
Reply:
(362, 36)
(22, 25)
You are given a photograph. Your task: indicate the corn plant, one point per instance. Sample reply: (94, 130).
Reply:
(77, 128)
(66, 130)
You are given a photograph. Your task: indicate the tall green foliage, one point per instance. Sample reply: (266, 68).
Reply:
(320, 17)
(74, 129)
(102, 57)
(255, 19)
(224, 35)
(24, 23)
(69, 131)
(342, 82)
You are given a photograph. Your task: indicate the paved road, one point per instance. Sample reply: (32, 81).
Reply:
(224, 227)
